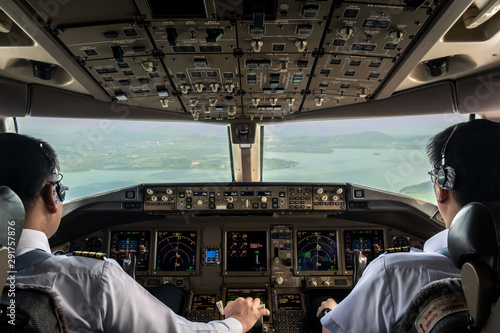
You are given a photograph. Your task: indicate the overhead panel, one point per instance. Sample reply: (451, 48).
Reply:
(374, 29)
(248, 59)
(107, 41)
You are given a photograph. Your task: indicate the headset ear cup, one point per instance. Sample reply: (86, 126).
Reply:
(441, 176)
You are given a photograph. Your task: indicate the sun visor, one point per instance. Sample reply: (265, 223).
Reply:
(479, 93)
(14, 96)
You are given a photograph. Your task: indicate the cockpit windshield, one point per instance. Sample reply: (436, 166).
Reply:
(384, 153)
(103, 155)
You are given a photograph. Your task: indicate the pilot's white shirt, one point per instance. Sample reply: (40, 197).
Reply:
(389, 283)
(98, 296)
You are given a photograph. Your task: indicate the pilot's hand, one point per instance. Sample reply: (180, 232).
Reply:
(245, 311)
(329, 303)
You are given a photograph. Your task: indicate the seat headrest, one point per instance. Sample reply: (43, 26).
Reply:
(11, 216)
(475, 235)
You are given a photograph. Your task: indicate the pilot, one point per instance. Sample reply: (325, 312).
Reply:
(466, 161)
(95, 294)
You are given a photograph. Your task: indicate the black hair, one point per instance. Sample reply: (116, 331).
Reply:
(26, 164)
(474, 152)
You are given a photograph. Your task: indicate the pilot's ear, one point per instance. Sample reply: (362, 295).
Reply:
(441, 194)
(48, 198)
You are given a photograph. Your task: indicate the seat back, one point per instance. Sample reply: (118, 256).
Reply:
(471, 302)
(23, 308)
(474, 247)
(11, 226)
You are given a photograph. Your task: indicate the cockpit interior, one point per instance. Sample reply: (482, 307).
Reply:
(244, 65)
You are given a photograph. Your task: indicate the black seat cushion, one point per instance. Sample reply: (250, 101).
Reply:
(37, 310)
(439, 307)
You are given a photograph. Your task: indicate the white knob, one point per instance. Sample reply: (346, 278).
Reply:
(320, 190)
(313, 283)
(318, 100)
(229, 87)
(199, 202)
(340, 191)
(301, 45)
(214, 87)
(326, 283)
(231, 110)
(149, 191)
(257, 45)
(154, 198)
(283, 66)
(263, 199)
(346, 32)
(324, 198)
(199, 87)
(279, 279)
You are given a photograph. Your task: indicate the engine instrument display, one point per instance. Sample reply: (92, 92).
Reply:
(203, 302)
(260, 293)
(135, 242)
(289, 302)
(246, 251)
(317, 251)
(176, 251)
(369, 242)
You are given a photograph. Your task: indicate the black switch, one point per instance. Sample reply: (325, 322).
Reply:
(162, 91)
(258, 19)
(172, 36)
(200, 62)
(289, 262)
(213, 35)
(117, 53)
(110, 34)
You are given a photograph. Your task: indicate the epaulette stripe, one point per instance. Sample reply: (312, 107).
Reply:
(398, 249)
(97, 255)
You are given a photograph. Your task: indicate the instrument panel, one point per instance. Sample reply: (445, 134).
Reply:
(287, 255)
(246, 198)
(244, 252)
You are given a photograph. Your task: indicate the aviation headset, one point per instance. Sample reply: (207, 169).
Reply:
(446, 174)
(60, 189)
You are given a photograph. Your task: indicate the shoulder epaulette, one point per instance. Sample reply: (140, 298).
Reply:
(398, 249)
(96, 255)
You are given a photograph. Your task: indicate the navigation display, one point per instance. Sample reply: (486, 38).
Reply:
(246, 251)
(369, 242)
(289, 302)
(317, 251)
(203, 302)
(135, 242)
(176, 251)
